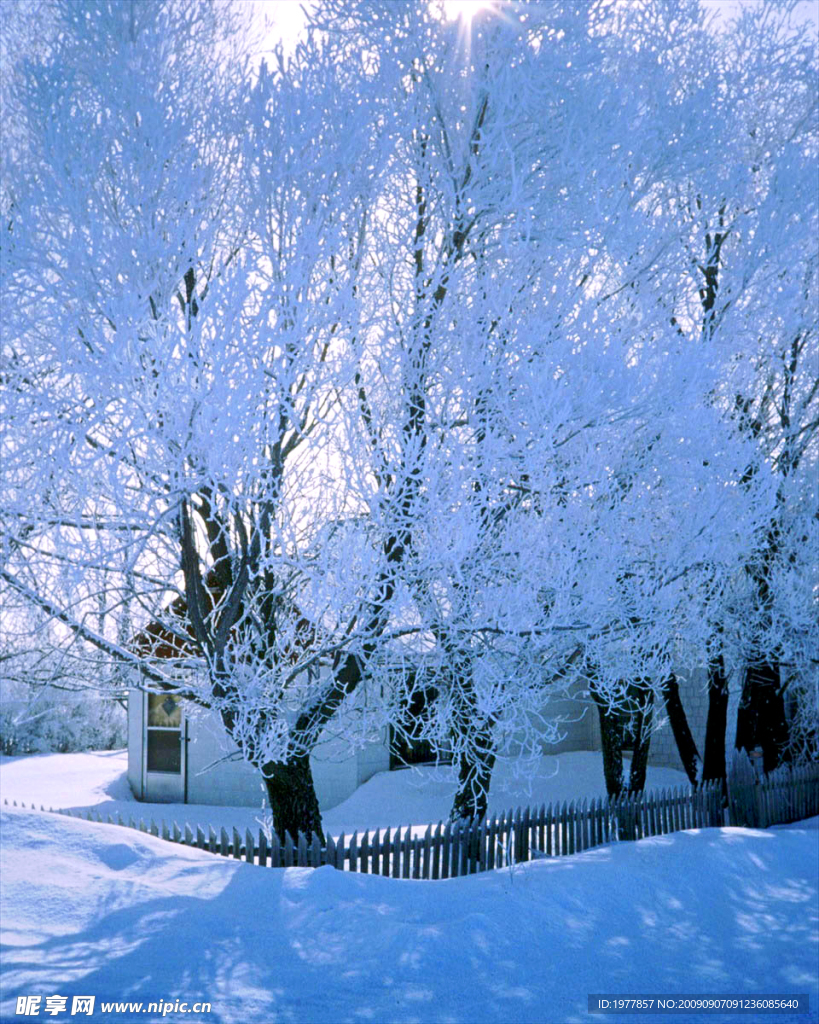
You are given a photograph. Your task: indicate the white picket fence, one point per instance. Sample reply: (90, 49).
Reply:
(448, 850)
(784, 795)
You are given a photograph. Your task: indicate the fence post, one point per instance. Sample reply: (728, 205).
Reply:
(386, 847)
(445, 850)
(275, 850)
(396, 853)
(425, 873)
(375, 852)
(588, 819)
(481, 834)
(405, 853)
(436, 851)
(491, 833)
(457, 844)
(501, 853)
(541, 831)
(672, 812)
(465, 839)
(417, 844)
(561, 837)
(742, 782)
(526, 838)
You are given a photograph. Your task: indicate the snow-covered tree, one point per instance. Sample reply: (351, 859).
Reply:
(466, 346)
(536, 452)
(745, 290)
(181, 243)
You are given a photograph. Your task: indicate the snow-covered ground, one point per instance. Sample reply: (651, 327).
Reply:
(99, 910)
(410, 797)
(91, 909)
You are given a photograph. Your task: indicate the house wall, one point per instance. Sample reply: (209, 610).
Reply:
(213, 779)
(337, 772)
(693, 684)
(373, 758)
(578, 724)
(581, 726)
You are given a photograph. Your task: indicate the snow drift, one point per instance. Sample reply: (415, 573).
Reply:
(96, 909)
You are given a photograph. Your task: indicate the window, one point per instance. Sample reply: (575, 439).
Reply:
(164, 751)
(164, 711)
(164, 741)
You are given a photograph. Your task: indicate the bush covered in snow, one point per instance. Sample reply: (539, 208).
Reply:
(37, 718)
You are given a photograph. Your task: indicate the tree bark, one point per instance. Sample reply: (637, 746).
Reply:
(611, 735)
(686, 746)
(293, 800)
(613, 729)
(714, 762)
(761, 720)
(642, 742)
(475, 766)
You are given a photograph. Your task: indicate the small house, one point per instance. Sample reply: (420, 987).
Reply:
(181, 754)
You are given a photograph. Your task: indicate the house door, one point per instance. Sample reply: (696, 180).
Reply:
(165, 753)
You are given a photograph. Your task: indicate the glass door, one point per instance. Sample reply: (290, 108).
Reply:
(164, 750)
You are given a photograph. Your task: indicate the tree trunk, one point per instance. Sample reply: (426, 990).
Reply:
(293, 800)
(611, 735)
(682, 734)
(761, 720)
(475, 766)
(634, 718)
(714, 763)
(642, 741)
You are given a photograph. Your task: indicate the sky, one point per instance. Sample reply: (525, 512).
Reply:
(287, 16)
